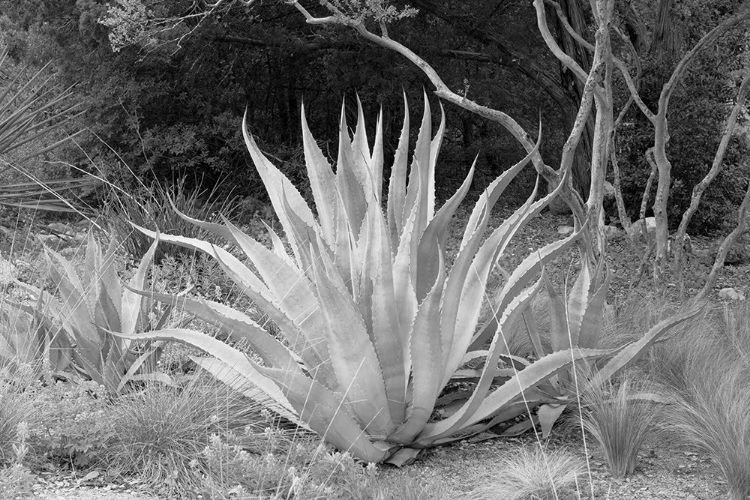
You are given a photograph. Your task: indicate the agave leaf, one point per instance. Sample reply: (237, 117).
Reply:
(196, 244)
(397, 184)
(290, 287)
(230, 356)
(464, 414)
(232, 322)
(352, 354)
(559, 333)
(278, 187)
(593, 317)
(523, 274)
(386, 331)
(528, 378)
(322, 183)
(243, 382)
(633, 350)
(78, 322)
(426, 358)
(375, 165)
(403, 291)
(548, 415)
(324, 412)
(577, 300)
(362, 158)
(348, 183)
(131, 302)
(278, 246)
(435, 236)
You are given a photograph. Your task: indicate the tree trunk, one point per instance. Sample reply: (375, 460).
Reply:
(581, 167)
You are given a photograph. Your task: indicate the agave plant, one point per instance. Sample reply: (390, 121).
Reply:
(92, 306)
(28, 337)
(373, 323)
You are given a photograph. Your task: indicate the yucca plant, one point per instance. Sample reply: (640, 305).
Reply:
(93, 305)
(28, 112)
(374, 325)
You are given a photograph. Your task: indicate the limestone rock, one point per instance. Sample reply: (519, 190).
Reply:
(731, 294)
(565, 230)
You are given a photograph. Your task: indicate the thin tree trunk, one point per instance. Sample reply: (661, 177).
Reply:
(700, 188)
(726, 245)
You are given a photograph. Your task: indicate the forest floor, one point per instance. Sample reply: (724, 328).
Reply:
(664, 471)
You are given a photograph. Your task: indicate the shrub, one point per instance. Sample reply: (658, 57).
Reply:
(537, 474)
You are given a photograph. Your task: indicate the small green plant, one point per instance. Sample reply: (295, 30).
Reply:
(90, 306)
(160, 434)
(619, 417)
(74, 422)
(536, 474)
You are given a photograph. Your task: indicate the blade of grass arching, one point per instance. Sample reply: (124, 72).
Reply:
(322, 183)
(352, 353)
(397, 183)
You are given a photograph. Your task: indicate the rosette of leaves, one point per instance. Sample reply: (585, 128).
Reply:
(576, 321)
(373, 324)
(89, 307)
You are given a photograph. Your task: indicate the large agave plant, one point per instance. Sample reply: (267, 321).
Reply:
(373, 323)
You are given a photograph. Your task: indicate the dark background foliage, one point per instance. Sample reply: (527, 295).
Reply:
(170, 105)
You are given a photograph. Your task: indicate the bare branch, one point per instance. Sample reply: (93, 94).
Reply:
(726, 245)
(564, 20)
(716, 167)
(568, 62)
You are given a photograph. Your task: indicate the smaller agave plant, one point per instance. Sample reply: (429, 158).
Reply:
(373, 322)
(89, 308)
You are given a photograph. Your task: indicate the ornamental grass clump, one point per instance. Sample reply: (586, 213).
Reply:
(372, 324)
(160, 434)
(534, 474)
(620, 418)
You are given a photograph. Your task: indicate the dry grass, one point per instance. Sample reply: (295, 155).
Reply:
(619, 418)
(533, 474)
